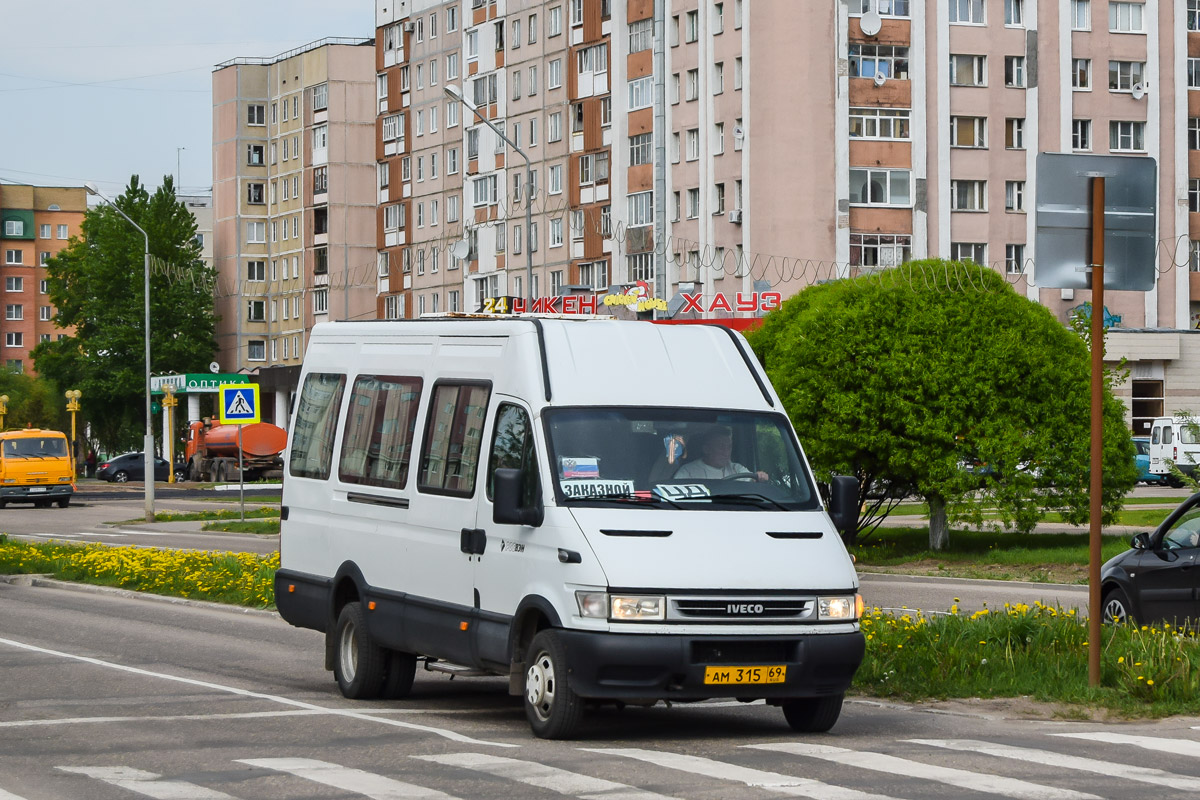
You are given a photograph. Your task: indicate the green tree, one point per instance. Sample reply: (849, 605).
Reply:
(937, 379)
(95, 284)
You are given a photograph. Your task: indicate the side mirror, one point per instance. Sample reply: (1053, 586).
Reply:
(1140, 542)
(507, 488)
(843, 502)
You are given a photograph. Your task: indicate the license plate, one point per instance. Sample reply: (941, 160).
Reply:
(37, 489)
(745, 675)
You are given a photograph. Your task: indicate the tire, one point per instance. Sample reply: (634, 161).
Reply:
(3, 503)
(121, 477)
(813, 714)
(400, 670)
(1116, 608)
(552, 707)
(41, 503)
(63, 502)
(219, 472)
(358, 663)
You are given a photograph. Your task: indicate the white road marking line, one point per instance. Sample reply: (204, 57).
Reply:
(30, 723)
(148, 784)
(1157, 744)
(961, 778)
(448, 734)
(1111, 769)
(542, 776)
(771, 781)
(9, 796)
(374, 786)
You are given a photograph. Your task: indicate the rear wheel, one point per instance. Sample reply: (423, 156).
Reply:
(63, 502)
(813, 714)
(553, 708)
(400, 670)
(359, 663)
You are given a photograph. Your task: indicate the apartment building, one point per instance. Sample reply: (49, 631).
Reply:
(35, 223)
(294, 205)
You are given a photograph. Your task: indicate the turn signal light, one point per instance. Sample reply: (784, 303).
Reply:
(370, 605)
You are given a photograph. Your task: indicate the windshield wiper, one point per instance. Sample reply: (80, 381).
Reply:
(749, 498)
(627, 498)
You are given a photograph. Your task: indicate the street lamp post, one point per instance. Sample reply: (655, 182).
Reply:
(456, 94)
(148, 443)
(73, 396)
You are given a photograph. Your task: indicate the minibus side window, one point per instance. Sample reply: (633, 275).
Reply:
(377, 442)
(1154, 435)
(512, 448)
(316, 425)
(453, 438)
(1167, 435)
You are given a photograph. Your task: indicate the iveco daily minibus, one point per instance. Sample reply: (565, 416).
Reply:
(603, 511)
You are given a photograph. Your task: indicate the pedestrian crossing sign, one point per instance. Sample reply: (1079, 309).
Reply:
(239, 403)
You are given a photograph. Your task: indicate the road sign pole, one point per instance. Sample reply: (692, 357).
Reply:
(1097, 483)
(241, 476)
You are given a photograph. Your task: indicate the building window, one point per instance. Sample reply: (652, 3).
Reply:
(14, 284)
(1081, 15)
(1122, 75)
(1126, 137)
(879, 123)
(256, 350)
(1125, 17)
(256, 233)
(1014, 12)
(968, 195)
(321, 180)
(62, 232)
(641, 93)
(554, 74)
(45, 314)
(880, 187)
(691, 26)
(320, 97)
(256, 114)
(254, 158)
(1014, 195)
(1081, 134)
(255, 194)
(968, 70)
(44, 231)
(1014, 133)
(693, 144)
(393, 218)
(256, 271)
(14, 311)
(14, 339)
(640, 208)
(869, 60)
(321, 301)
(1193, 70)
(1194, 130)
(484, 188)
(1014, 259)
(969, 251)
(967, 12)
(321, 261)
(256, 311)
(641, 35)
(879, 249)
(14, 257)
(968, 131)
(1014, 72)
(1081, 73)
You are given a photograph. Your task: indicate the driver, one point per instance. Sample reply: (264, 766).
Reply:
(716, 449)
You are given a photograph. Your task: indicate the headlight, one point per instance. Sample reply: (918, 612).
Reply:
(637, 607)
(64, 480)
(10, 480)
(620, 608)
(839, 607)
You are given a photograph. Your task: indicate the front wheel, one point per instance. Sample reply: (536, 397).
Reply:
(121, 477)
(813, 714)
(63, 502)
(1116, 607)
(553, 708)
(359, 663)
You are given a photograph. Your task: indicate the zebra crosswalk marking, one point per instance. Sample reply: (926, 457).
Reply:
(1111, 769)
(542, 776)
(771, 781)
(377, 787)
(148, 784)
(961, 778)
(1181, 747)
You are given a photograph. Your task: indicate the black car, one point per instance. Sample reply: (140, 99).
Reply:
(131, 467)
(1159, 578)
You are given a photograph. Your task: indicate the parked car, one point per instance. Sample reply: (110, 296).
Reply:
(131, 467)
(1142, 459)
(1158, 577)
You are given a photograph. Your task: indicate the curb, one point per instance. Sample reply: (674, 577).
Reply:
(43, 582)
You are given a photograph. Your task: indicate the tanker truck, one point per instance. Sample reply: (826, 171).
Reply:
(212, 451)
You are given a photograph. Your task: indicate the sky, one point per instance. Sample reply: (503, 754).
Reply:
(99, 91)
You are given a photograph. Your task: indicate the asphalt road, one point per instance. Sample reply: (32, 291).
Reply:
(112, 697)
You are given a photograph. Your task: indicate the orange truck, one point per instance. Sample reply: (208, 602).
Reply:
(35, 467)
(212, 451)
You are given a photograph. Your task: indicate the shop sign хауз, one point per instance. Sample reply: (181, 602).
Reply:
(635, 298)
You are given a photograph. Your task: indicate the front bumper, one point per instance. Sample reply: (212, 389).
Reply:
(37, 492)
(643, 667)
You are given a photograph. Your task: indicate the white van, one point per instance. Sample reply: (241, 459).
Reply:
(1174, 441)
(532, 498)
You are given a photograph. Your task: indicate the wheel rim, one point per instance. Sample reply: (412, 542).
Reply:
(540, 685)
(1114, 611)
(121, 477)
(348, 652)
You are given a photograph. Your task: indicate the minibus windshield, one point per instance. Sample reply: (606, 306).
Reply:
(678, 458)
